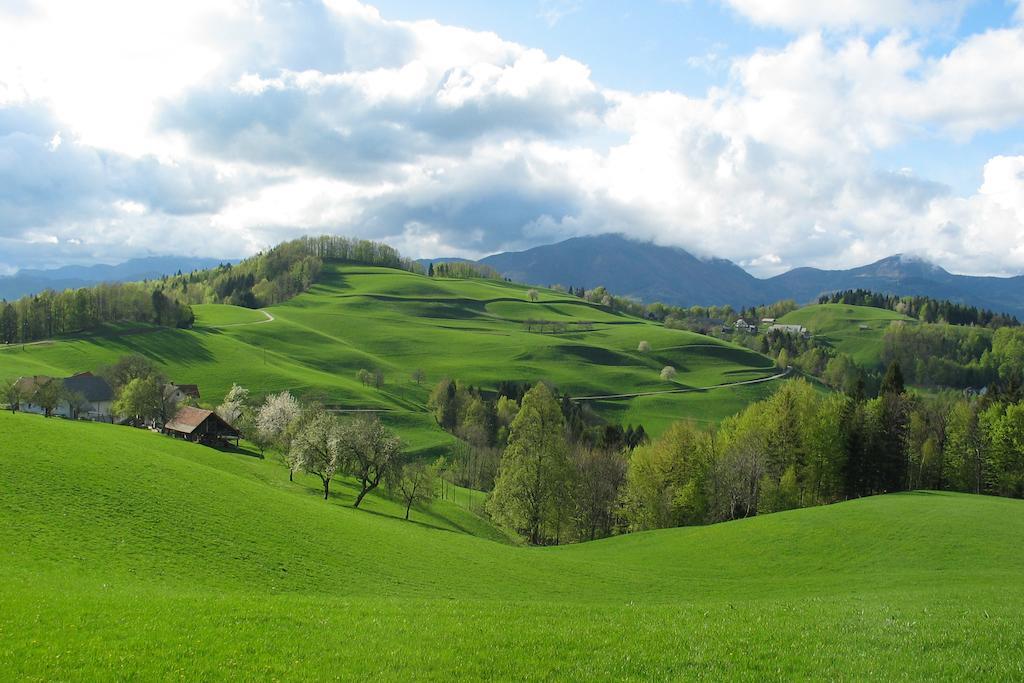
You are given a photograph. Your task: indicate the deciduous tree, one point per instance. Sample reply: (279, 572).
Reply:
(599, 476)
(275, 421)
(317, 448)
(10, 392)
(535, 467)
(48, 396)
(142, 399)
(235, 405)
(370, 451)
(417, 483)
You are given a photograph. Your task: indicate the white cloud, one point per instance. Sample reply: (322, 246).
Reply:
(287, 118)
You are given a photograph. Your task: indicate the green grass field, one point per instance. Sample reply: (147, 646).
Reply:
(854, 330)
(471, 330)
(126, 554)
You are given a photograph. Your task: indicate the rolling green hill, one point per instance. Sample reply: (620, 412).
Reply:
(475, 331)
(126, 554)
(854, 330)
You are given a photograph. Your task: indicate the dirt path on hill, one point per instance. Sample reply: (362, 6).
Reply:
(761, 380)
(269, 319)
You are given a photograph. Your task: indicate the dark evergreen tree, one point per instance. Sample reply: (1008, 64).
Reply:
(892, 383)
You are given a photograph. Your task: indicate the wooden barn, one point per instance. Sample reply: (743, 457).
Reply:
(201, 426)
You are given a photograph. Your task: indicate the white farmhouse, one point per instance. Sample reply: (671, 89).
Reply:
(86, 397)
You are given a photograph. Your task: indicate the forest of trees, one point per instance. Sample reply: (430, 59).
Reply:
(924, 308)
(265, 279)
(483, 421)
(282, 272)
(462, 269)
(938, 356)
(798, 448)
(50, 313)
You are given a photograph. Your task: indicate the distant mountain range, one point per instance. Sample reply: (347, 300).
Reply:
(70, 277)
(671, 275)
(629, 268)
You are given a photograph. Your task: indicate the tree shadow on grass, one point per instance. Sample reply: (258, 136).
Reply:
(231, 449)
(456, 527)
(338, 498)
(164, 346)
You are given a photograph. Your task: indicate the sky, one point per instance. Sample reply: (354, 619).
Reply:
(781, 134)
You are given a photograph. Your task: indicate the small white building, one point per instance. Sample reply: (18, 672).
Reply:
(86, 397)
(742, 325)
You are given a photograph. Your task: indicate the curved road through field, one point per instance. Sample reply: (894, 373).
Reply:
(269, 319)
(686, 390)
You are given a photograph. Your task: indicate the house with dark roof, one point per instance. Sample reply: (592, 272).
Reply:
(86, 397)
(89, 397)
(201, 426)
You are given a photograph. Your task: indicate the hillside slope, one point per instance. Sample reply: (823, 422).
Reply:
(127, 554)
(475, 331)
(855, 330)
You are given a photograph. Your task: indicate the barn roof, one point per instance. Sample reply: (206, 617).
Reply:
(188, 419)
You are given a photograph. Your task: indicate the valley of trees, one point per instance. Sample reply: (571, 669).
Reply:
(554, 472)
(483, 423)
(931, 355)
(798, 448)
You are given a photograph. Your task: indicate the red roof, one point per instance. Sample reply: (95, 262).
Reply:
(187, 420)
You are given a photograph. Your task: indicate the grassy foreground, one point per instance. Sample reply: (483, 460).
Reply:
(126, 554)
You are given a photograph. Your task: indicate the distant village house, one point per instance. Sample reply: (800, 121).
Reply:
(742, 325)
(795, 330)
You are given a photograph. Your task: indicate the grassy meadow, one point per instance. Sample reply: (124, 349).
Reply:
(855, 330)
(472, 330)
(126, 554)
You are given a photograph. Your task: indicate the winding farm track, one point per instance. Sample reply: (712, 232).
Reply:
(687, 390)
(269, 319)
